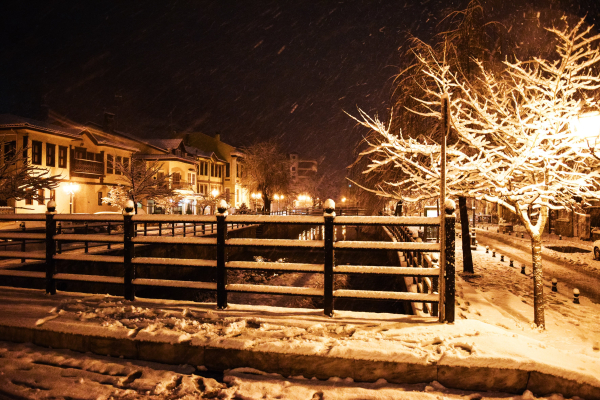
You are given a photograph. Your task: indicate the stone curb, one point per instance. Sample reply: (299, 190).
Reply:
(322, 367)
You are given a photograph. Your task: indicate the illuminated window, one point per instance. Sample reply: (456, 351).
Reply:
(62, 157)
(29, 197)
(50, 155)
(36, 152)
(9, 149)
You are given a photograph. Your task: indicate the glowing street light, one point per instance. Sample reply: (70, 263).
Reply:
(255, 197)
(71, 188)
(303, 200)
(277, 197)
(214, 193)
(587, 125)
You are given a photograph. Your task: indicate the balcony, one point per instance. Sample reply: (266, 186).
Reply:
(87, 167)
(182, 185)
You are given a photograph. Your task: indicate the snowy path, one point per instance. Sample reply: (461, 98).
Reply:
(569, 273)
(32, 372)
(501, 295)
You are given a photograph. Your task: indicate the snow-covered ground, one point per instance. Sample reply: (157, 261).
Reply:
(583, 261)
(32, 372)
(501, 295)
(493, 329)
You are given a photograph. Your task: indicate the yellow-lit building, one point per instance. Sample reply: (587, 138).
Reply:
(84, 157)
(224, 169)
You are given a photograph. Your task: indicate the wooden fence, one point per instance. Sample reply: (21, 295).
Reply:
(194, 230)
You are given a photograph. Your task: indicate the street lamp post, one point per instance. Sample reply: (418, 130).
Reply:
(214, 194)
(255, 197)
(71, 188)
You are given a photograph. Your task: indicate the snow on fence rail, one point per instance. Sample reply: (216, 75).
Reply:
(418, 262)
(23, 217)
(422, 283)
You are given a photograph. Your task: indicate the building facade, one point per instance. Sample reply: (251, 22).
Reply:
(227, 174)
(85, 156)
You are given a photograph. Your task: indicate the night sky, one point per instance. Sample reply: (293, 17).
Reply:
(250, 70)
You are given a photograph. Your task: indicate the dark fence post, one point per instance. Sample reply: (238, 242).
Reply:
(128, 233)
(329, 215)
(50, 247)
(108, 231)
(449, 277)
(221, 255)
(23, 228)
(85, 231)
(59, 231)
(435, 289)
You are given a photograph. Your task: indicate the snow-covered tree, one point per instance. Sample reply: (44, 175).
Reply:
(141, 181)
(464, 35)
(516, 137)
(168, 202)
(19, 179)
(117, 197)
(266, 170)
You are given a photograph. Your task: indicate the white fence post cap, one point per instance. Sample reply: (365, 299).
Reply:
(329, 206)
(129, 207)
(222, 206)
(449, 206)
(51, 206)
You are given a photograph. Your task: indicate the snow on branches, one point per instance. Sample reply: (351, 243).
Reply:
(139, 181)
(519, 141)
(19, 178)
(523, 125)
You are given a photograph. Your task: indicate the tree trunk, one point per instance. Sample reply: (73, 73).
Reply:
(267, 209)
(134, 204)
(466, 237)
(538, 284)
(535, 231)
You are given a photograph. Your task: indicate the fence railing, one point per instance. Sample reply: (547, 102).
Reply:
(183, 229)
(424, 284)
